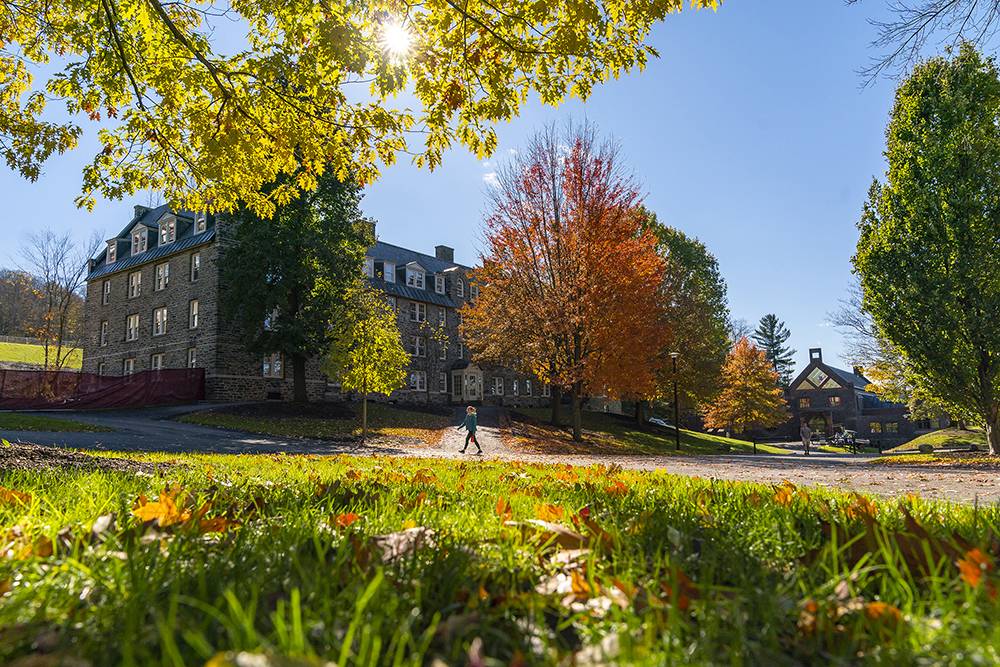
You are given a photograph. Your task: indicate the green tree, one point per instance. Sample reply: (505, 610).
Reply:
(696, 311)
(286, 279)
(366, 352)
(930, 234)
(208, 104)
(771, 335)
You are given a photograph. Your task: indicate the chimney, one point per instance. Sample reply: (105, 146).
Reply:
(858, 370)
(444, 253)
(816, 354)
(139, 210)
(371, 229)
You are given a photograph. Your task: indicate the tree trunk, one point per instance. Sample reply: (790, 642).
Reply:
(299, 394)
(993, 429)
(556, 398)
(364, 418)
(577, 430)
(640, 411)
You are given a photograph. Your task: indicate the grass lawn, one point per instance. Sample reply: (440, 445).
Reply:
(13, 421)
(332, 422)
(35, 354)
(946, 437)
(366, 561)
(977, 460)
(608, 433)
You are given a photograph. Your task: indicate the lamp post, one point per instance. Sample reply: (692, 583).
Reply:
(677, 425)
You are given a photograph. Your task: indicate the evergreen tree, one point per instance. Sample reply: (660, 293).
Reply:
(286, 279)
(771, 335)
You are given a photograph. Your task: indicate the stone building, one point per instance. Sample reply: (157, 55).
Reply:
(152, 303)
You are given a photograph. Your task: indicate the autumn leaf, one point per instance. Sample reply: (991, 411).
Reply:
(882, 611)
(549, 512)
(352, 474)
(424, 476)
(503, 509)
(12, 497)
(617, 488)
(973, 566)
(5, 587)
(861, 508)
(784, 494)
(164, 511)
(681, 592)
(345, 520)
(217, 524)
(545, 532)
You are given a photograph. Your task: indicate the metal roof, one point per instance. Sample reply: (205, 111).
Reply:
(153, 254)
(401, 257)
(859, 381)
(413, 293)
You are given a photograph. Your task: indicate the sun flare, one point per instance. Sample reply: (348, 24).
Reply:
(396, 39)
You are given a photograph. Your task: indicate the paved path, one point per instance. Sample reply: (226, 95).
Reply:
(152, 429)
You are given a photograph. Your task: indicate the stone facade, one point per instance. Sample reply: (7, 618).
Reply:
(427, 310)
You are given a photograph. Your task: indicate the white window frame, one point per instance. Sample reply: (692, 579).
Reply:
(418, 311)
(388, 272)
(193, 314)
(474, 291)
(161, 276)
(103, 338)
(168, 231)
(418, 380)
(498, 386)
(128, 366)
(106, 292)
(439, 284)
(443, 382)
(160, 321)
(273, 366)
(415, 278)
(443, 351)
(200, 223)
(102, 368)
(195, 266)
(112, 252)
(132, 327)
(514, 385)
(460, 287)
(527, 387)
(461, 350)
(140, 241)
(135, 284)
(192, 358)
(443, 317)
(546, 390)
(156, 361)
(418, 346)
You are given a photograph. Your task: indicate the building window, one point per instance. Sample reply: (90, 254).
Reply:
(415, 278)
(875, 427)
(527, 387)
(389, 272)
(417, 344)
(442, 317)
(106, 292)
(439, 284)
(546, 391)
(134, 284)
(442, 351)
(418, 311)
(443, 383)
(168, 231)
(805, 403)
(461, 350)
(139, 241)
(156, 361)
(200, 223)
(270, 321)
(474, 291)
(104, 333)
(514, 385)
(195, 266)
(498, 386)
(460, 287)
(418, 380)
(112, 251)
(834, 401)
(161, 276)
(160, 321)
(128, 367)
(369, 267)
(273, 368)
(132, 327)
(102, 368)
(892, 427)
(193, 314)
(192, 357)
(456, 385)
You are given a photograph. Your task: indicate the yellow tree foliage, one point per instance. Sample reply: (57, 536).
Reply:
(208, 103)
(750, 395)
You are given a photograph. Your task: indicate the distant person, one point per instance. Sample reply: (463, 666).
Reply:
(469, 423)
(807, 435)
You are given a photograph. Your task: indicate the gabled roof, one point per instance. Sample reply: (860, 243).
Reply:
(150, 218)
(153, 253)
(401, 257)
(412, 293)
(859, 381)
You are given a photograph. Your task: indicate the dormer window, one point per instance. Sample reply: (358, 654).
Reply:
(138, 241)
(415, 277)
(200, 223)
(112, 251)
(460, 288)
(168, 231)
(389, 272)
(474, 291)
(369, 267)
(439, 284)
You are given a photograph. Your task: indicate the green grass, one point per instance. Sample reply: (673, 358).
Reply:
(610, 434)
(946, 437)
(679, 570)
(14, 421)
(383, 420)
(35, 354)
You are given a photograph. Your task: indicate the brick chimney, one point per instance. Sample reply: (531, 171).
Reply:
(816, 354)
(444, 253)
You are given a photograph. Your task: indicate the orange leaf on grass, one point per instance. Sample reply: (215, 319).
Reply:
(503, 509)
(618, 488)
(549, 512)
(12, 497)
(345, 520)
(883, 611)
(164, 511)
(973, 566)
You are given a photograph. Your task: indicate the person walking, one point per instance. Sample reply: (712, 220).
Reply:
(470, 425)
(806, 434)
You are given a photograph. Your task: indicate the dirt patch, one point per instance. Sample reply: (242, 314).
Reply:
(35, 457)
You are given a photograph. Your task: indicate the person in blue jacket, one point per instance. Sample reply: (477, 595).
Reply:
(469, 423)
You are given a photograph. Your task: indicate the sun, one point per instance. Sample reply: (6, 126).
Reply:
(396, 39)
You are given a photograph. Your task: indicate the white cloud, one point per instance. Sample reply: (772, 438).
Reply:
(490, 179)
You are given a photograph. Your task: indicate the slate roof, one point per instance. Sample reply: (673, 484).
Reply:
(151, 254)
(859, 381)
(413, 293)
(150, 218)
(402, 256)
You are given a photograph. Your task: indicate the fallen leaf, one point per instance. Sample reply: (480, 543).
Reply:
(503, 509)
(164, 511)
(345, 520)
(973, 566)
(12, 497)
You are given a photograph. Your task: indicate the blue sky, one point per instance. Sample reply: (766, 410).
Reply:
(750, 132)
